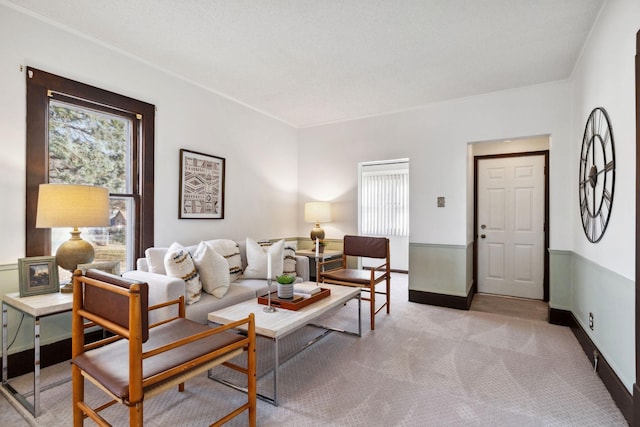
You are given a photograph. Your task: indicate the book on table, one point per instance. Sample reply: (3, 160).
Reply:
(306, 288)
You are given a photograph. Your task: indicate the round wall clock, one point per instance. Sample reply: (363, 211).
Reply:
(597, 175)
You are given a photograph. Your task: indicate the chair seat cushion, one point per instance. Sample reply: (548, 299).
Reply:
(362, 277)
(109, 365)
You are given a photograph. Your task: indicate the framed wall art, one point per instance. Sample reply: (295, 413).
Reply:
(112, 267)
(38, 275)
(201, 186)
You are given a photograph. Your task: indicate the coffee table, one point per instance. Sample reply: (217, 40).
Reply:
(281, 323)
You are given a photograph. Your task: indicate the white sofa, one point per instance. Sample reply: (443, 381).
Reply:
(164, 288)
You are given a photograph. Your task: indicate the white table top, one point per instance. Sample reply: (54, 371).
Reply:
(40, 305)
(283, 321)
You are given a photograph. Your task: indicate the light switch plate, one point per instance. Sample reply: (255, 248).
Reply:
(441, 202)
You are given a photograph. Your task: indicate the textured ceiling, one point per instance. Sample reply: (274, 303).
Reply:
(309, 62)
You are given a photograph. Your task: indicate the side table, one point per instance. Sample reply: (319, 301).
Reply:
(36, 306)
(324, 256)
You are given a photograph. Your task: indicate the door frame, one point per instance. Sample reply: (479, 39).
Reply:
(545, 153)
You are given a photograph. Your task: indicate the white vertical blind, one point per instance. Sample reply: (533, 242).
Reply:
(385, 202)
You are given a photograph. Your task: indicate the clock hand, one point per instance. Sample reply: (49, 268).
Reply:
(609, 166)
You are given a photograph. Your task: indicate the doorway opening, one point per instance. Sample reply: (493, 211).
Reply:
(383, 208)
(510, 221)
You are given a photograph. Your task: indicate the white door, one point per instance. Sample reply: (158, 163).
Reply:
(511, 226)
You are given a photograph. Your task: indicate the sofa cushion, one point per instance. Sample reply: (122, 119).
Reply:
(155, 260)
(208, 303)
(257, 286)
(178, 263)
(257, 259)
(230, 250)
(213, 270)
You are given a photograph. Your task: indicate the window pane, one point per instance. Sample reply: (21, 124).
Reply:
(385, 203)
(113, 243)
(88, 147)
(92, 147)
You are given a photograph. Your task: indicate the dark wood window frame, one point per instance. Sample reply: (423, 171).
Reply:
(40, 85)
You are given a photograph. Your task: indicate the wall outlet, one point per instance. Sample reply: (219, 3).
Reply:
(441, 202)
(591, 321)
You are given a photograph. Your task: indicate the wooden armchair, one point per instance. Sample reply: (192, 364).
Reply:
(360, 246)
(140, 361)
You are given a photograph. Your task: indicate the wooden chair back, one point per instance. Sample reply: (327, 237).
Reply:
(363, 246)
(115, 307)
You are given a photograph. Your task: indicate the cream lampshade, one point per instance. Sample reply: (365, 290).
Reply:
(317, 212)
(70, 205)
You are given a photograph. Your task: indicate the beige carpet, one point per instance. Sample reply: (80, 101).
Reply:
(423, 366)
(509, 306)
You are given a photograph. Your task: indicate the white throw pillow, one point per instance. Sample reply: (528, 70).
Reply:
(289, 259)
(257, 259)
(178, 263)
(213, 270)
(231, 252)
(155, 260)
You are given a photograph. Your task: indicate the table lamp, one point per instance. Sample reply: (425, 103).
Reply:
(317, 212)
(70, 205)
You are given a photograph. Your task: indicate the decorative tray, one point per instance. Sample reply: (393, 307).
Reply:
(295, 303)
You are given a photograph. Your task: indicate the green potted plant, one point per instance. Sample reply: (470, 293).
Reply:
(285, 286)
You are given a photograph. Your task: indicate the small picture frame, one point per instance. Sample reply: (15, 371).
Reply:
(201, 186)
(112, 267)
(38, 275)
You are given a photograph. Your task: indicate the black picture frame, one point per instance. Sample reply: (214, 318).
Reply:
(202, 181)
(38, 275)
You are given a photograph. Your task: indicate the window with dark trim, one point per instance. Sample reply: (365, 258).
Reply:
(47, 92)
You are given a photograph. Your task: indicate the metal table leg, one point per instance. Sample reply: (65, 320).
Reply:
(34, 407)
(275, 371)
(5, 374)
(36, 367)
(276, 353)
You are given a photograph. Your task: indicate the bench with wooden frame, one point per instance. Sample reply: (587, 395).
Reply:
(368, 247)
(139, 361)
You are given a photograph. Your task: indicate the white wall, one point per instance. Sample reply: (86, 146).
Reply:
(539, 143)
(435, 139)
(261, 153)
(604, 77)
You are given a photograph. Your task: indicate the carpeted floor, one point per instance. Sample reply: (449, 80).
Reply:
(510, 306)
(422, 366)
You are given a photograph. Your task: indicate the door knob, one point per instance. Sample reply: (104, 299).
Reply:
(484, 236)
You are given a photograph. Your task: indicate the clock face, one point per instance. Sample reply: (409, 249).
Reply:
(597, 175)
